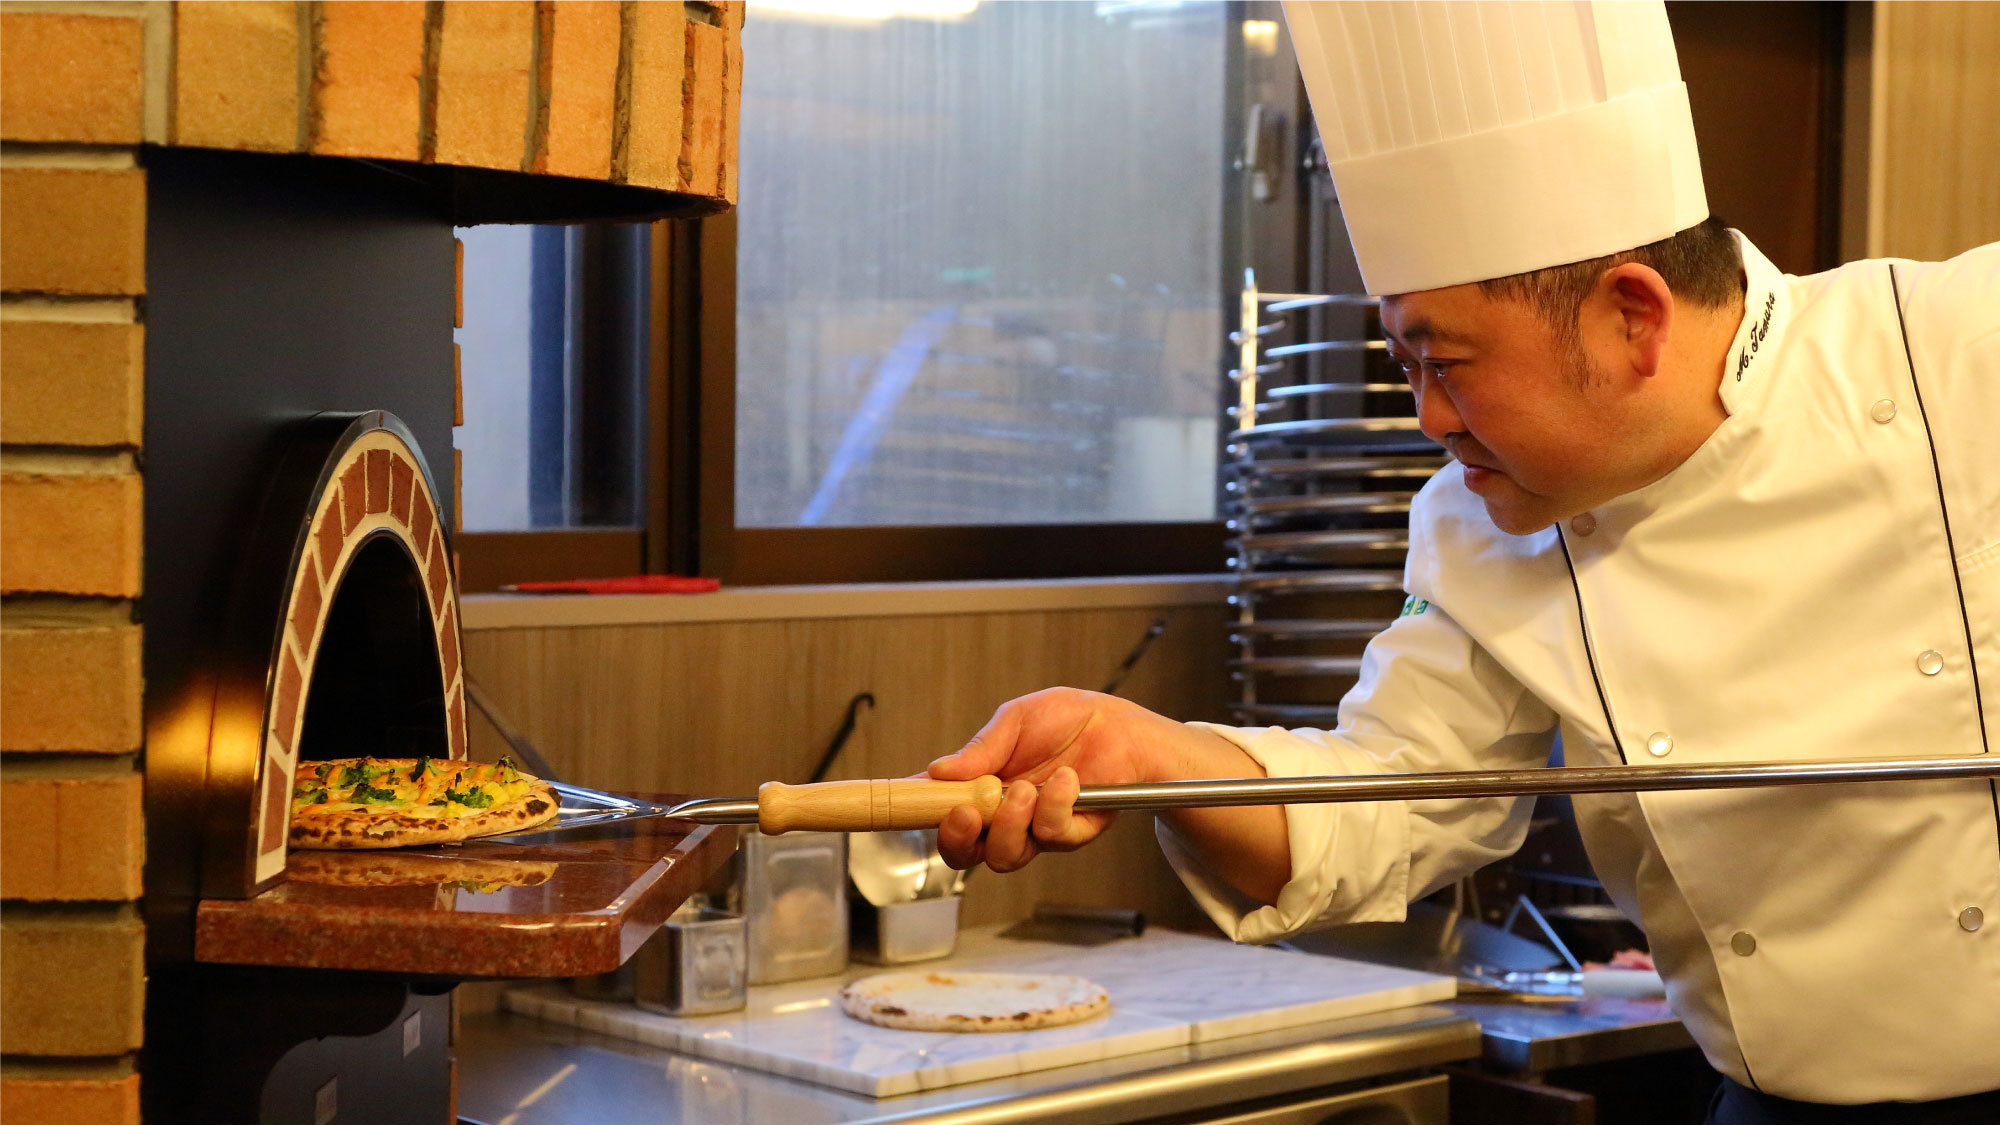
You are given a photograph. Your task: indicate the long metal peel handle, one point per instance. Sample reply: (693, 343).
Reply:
(871, 806)
(1529, 782)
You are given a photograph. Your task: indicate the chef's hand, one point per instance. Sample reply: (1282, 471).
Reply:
(1045, 746)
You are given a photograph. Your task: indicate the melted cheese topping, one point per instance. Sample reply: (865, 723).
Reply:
(426, 788)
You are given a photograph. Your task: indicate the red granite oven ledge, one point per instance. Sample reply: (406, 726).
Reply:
(608, 891)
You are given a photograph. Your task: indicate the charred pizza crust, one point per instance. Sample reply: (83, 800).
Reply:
(400, 802)
(973, 1002)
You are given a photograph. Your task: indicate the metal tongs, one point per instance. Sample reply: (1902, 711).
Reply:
(880, 805)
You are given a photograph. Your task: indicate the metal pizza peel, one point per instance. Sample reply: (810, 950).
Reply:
(905, 803)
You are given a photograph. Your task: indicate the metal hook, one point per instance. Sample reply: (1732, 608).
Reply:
(1119, 673)
(841, 736)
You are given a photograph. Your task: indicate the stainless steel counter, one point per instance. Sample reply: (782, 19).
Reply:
(1530, 1038)
(524, 1071)
(1523, 1038)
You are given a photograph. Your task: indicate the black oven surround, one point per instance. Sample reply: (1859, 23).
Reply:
(287, 297)
(279, 289)
(289, 300)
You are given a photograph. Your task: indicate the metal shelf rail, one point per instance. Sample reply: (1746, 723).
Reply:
(1322, 457)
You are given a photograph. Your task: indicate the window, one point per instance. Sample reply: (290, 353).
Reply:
(554, 358)
(966, 320)
(978, 264)
(977, 296)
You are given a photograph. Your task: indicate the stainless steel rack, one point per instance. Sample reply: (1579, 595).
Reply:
(1322, 457)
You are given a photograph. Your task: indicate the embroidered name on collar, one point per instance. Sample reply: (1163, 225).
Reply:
(1757, 334)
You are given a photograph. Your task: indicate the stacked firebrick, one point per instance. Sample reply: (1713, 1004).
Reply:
(72, 267)
(644, 94)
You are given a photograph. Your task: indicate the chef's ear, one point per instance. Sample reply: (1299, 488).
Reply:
(1644, 305)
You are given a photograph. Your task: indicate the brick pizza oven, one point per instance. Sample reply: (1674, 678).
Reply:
(228, 496)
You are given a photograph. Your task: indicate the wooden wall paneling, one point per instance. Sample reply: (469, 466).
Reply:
(1763, 170)
(717, 708)
(767, 663)
(690, 708)
(1181, 674)
(1937, 89)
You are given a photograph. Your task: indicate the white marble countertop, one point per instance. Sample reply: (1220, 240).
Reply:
(524, 1071)
(1167, 990)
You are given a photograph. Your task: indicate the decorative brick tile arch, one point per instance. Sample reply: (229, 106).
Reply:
(374, 486)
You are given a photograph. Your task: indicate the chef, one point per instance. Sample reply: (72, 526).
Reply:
(1700, 512)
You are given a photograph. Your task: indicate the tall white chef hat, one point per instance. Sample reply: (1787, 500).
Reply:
(1471, 141)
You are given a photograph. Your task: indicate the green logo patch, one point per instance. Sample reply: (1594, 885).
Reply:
(1413, 605)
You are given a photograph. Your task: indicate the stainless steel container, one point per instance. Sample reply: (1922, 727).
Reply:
(903, 899)
(794, 897)
(898, 933)
(698, 963)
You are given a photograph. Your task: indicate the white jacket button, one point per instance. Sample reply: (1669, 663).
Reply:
(1744, 943)
(1884, 411)
(1659, 744)
(1583, 524)
(1971, 918)
(1930, 662)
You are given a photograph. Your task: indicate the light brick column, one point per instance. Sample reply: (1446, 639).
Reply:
(73, 106)
(642, 94)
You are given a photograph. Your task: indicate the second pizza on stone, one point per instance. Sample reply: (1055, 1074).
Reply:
(953, 1001)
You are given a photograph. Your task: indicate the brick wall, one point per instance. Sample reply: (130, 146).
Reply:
(73, 103)
(619, 90)
(640, 94)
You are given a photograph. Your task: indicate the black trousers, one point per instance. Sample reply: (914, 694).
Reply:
(1737, 1104)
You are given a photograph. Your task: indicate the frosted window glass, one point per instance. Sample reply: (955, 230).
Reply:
(979, 265)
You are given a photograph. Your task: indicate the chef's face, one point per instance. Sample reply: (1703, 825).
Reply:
(1528, 412)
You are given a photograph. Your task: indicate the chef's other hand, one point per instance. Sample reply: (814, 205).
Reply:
(1047, 745)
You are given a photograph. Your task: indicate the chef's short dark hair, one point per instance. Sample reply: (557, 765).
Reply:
(1701, 265)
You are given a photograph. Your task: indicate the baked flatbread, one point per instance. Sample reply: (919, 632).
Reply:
(397, 802)
(945, 1001)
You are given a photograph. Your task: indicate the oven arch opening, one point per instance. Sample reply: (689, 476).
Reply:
(341, 639)
(377, 684)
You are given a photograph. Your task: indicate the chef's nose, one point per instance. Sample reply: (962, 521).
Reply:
(1437, 416)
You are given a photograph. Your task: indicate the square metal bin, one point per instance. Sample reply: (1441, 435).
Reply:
(923, 929)
(695, 965)
(794, 895)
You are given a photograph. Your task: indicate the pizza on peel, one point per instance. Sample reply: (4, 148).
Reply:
(398, 802)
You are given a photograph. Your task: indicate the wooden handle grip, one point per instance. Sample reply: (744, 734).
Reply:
(871, 806)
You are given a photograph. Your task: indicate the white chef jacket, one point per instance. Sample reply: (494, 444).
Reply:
(1820, 579)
